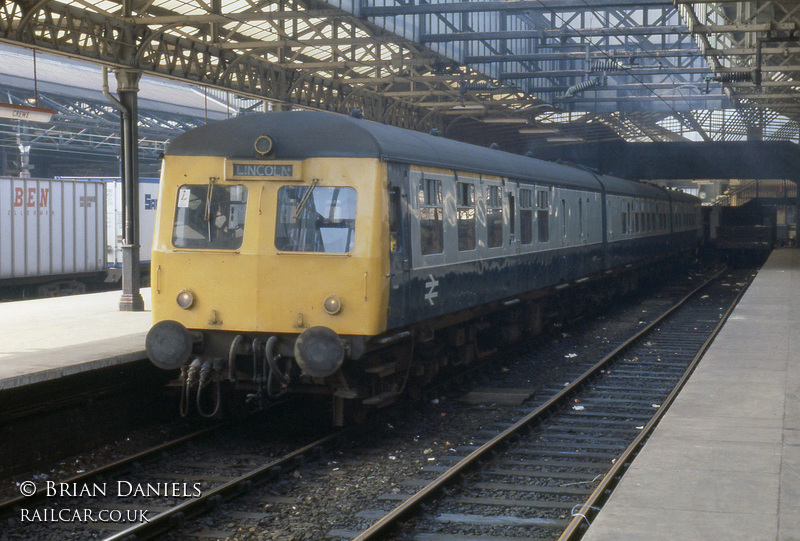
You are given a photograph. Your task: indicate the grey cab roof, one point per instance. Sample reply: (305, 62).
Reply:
(299, 135)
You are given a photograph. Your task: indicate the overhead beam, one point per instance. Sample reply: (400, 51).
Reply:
(560, 33)
(707, 160)
(68, 30)
(751, 51)
(639, 72)
(578, 98)
(473, 7)
(311, 42)
(728, 28)
(791, 98)
(581, 55)
(629, 87)
(226, 18)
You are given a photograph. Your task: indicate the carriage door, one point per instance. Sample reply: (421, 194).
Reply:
(399, 235)
(512, 188)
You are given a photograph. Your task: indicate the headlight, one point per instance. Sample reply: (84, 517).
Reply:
(332, 305)
(185, 299)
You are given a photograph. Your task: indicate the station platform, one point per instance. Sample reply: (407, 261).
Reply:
(44, 339)
(724, 462)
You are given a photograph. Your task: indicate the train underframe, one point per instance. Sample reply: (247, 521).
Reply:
(374, 372)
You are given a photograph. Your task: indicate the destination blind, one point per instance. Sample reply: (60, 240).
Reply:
(262, 170)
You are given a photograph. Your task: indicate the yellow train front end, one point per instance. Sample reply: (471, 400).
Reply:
(266, 274)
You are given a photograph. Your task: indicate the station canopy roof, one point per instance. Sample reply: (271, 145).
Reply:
(519, 72)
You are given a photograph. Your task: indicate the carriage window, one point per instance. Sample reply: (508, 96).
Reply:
(629, 217)
(431, 214)
(209, 216)
(543, 214)
(512, 216)
(466, 216)
(494, 216)
(525, 217)
(316, 219)
(624, 223)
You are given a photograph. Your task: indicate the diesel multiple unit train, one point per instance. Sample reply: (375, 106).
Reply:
(310, 252)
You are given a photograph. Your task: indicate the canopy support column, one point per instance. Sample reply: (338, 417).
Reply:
(128, 89)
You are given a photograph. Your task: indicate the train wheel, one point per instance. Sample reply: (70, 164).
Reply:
(349, 411)
(414, 389)
(356, 413)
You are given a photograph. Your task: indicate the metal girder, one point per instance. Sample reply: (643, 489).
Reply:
(579, 56)
(629, 72)
(477, 7)
(262, 72)
(754, 48)
(418, 65)
(554, 51)
(208, 18)
(685, 160)
(555, 33)
(94, 124)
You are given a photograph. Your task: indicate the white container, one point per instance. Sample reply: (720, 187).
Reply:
(115, 233)
(148, 198)
(51, 228)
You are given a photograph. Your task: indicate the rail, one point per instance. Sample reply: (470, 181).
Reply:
(120, 465)
(175, 517)
(590, 508)
(455, 475)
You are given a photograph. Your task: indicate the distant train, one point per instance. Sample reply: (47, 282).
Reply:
(309, 252)
(58, 236)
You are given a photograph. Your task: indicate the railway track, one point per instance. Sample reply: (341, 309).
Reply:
(546, 475)
(159, 489)
(534, 487)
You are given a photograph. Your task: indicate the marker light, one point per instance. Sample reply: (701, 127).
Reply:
(332, 305)
(185, 299)
(264, 144)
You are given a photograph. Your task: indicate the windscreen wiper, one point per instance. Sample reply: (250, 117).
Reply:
(207, 215)
(305, 198)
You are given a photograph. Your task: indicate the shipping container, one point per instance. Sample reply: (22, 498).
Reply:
(51, 228)
(115, 230)
(148, 198)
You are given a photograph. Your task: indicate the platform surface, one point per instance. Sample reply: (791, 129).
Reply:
(44, 339)
(724, 463)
